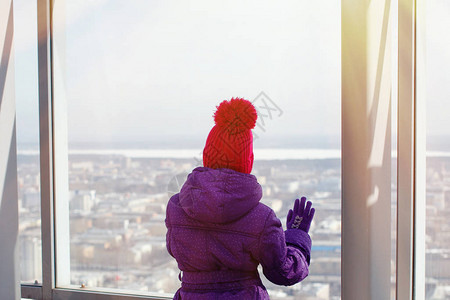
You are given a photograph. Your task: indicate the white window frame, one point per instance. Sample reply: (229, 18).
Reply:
(411, 157)
(363, 258)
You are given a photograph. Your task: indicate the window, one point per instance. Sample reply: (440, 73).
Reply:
(27, 116)
(130, 78)
(109, 163)
(435, 94)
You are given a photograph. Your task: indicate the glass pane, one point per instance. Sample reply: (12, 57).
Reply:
(136, 84)
(437, 93)
(27, 118)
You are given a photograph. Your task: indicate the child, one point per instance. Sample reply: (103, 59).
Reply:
(219, 232)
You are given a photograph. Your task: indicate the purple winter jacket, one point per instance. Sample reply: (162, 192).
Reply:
(219, 233)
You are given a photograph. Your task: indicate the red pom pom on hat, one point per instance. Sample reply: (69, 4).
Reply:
(230, 142)
(236, 115)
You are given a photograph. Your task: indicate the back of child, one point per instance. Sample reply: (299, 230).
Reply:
(219, 231)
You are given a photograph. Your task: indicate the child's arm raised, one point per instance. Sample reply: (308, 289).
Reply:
(285, 256)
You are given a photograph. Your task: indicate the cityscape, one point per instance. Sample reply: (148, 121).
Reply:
(117, 209)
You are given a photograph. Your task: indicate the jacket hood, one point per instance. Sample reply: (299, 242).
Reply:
(219, 195)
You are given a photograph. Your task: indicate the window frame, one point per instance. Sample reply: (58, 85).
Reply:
(411, 155)
(410, 192)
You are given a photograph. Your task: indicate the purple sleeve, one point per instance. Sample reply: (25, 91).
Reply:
(284, 258)
(301, 240)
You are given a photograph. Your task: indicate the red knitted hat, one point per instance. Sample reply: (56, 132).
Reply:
(230, 142)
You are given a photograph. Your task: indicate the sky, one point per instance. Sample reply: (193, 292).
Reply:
(146, 71)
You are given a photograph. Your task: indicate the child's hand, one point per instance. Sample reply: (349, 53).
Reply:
(301, 217)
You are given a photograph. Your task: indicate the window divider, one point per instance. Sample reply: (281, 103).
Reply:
(366, 149)
(420, 137)
(60, 146)
(411, 157)
(46, 147)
